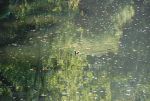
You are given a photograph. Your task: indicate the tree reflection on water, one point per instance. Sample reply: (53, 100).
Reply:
(74, 50)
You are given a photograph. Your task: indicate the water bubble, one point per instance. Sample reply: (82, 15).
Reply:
(77, 92)
(33, 30)
(95, 98)
(14, 44)
(128, 90)
(128, 94)
(64, 93)
(94, 91)
(43, 94)
(120, 67)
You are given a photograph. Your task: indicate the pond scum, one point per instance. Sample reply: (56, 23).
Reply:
(49, 53)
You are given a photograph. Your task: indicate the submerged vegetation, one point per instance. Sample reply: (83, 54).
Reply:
(74, 50)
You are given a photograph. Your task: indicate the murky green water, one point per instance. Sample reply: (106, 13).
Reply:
(74, 50)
